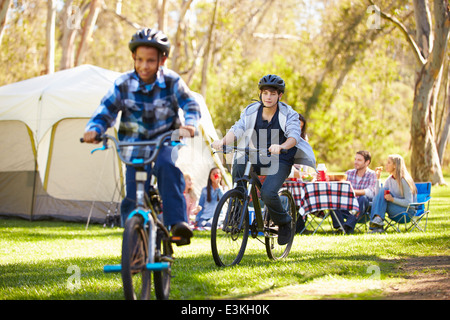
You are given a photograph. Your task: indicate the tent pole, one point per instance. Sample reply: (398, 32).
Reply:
(33, 194)
(33, 200)
(98, 186)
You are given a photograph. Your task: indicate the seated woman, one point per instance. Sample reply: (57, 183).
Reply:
(209, 198)
(191, 200)
(399, 190)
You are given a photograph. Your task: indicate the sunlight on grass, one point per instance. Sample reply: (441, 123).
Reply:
(36, 257)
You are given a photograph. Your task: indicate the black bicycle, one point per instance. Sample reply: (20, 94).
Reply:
(231, 223)
(146, 244)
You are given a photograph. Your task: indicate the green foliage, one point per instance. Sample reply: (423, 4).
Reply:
(23, 43)
(371, 112)
(354, 85)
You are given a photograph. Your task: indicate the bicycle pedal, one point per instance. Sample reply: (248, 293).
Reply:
(112, 268)
(179, 241)
(157, 266)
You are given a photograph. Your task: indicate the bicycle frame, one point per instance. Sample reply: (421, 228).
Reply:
(144, 206)
(253, 184)
(229, 236)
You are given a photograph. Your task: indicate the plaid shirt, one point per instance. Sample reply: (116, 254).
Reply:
(148, 110)
(367, 182)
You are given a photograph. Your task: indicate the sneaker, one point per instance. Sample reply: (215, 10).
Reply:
(284, 234)
(377, 222)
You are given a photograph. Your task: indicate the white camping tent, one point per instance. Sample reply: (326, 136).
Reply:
(45, 172)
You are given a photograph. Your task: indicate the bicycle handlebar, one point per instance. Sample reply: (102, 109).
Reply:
(247, 150)
(136, 162)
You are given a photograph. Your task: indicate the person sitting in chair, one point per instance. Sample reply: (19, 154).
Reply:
(399, 190)
(363, 181)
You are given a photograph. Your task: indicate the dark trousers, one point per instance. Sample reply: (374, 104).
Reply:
(350, 219)
(269, 191)
(170, 186)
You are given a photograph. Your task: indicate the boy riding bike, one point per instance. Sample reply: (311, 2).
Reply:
(273, 125)
(149, 98)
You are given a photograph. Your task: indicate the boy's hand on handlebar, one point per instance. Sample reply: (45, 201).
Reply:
(91, 137)
(186, 131)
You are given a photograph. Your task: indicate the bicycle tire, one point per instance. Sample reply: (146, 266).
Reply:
(273, 249)
(135, 277)
(228, 242)
(162, 278)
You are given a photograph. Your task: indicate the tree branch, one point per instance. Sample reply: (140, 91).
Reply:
(121, 17)
(401, 26)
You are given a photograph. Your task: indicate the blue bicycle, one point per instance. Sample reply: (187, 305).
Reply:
(146, 244)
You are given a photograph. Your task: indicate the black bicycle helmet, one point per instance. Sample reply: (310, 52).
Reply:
(150, 38)
(273, 81)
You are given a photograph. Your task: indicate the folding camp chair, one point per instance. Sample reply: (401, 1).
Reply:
(420, 210)
(363, 221)
(315, 220)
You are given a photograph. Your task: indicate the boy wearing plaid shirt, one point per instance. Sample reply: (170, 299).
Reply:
(149, 98)
(363, 181)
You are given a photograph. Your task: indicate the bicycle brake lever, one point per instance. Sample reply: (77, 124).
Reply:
(177, 143)
(104, 147)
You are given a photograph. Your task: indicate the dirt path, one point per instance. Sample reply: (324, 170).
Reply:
(428, 278)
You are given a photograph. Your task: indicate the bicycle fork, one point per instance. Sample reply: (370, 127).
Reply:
(151, 265)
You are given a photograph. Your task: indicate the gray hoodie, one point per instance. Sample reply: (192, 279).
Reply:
(289, 123)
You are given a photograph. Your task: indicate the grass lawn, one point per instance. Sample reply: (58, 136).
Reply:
(63, 261)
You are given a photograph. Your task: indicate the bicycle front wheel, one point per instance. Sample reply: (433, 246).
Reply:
(274, 250)
(162, 278)
(228, 235)
(136, 278)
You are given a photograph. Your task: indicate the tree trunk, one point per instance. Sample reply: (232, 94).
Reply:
(4, 7)
(207, 52)
(50, 37)
(177, 40)
(445, 134)
(425, 164)
(87, 30)
(161, 14)
(70, 25)
(424, 34)
(444, 129)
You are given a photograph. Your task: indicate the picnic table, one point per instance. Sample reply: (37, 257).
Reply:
(318, 196)
(315, 198)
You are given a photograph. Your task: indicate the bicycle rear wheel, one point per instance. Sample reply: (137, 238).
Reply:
(136, 278)
(228, 240)
(274, 250)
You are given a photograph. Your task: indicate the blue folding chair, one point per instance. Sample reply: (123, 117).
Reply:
(420, 210)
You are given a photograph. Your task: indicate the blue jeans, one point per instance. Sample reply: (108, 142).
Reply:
(269, 191)
(351, 220)
(170, 186)
(380, 206)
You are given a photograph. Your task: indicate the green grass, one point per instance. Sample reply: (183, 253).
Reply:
(37, 260)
